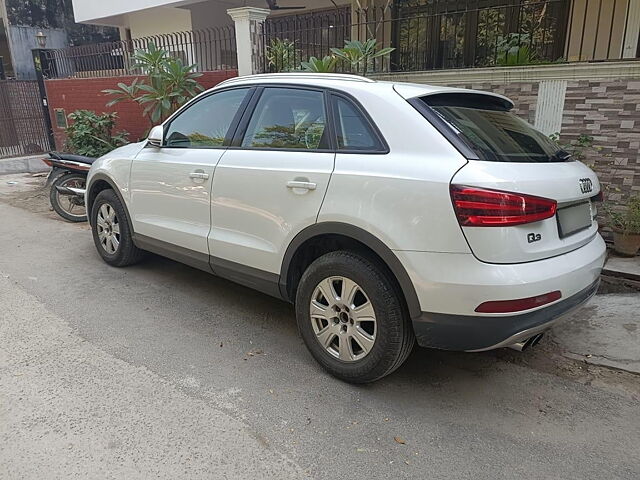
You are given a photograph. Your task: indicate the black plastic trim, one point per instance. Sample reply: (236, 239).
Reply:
(475, 332)
(261, 280)
(364, 237)
(174, 252)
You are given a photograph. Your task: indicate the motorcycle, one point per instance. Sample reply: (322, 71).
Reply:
(68, 180)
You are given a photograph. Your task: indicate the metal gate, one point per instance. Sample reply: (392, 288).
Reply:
(23, 130)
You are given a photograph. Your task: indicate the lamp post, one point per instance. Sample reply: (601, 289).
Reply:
(38, 59)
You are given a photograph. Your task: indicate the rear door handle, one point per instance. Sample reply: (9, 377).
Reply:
(299, 184)
(200, 175)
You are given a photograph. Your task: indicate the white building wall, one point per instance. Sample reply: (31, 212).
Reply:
(156, 21)
(94, 10)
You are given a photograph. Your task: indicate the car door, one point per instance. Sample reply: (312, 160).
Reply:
(271, 182)
(171, 185)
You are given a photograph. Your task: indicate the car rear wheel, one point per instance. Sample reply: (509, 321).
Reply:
(352, 318)
(111, 233)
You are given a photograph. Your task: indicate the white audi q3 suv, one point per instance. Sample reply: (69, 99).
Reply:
(387, 213)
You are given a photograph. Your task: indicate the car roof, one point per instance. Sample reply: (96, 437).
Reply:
(351, 84)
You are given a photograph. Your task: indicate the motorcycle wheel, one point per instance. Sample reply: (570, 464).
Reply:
(69, 207)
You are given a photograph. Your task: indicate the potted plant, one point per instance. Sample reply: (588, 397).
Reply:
(626, 228)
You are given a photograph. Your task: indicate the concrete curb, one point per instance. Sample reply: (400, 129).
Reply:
(30, 164)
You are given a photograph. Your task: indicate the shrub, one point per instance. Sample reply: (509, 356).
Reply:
(317, 65)
(92, 135)
(281, 55)
(360, 55)
(626, 218)
(515, 49)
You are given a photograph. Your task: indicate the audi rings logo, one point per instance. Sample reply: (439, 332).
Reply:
(586, 185)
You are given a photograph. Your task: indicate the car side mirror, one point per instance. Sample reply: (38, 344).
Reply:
(156, 135)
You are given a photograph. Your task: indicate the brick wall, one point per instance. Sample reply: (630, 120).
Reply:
(86, 93)
(609, 111)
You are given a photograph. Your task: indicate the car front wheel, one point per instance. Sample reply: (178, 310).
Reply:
(111, 233)
(351, 317)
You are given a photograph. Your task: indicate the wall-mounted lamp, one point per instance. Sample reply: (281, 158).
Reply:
(41, 38)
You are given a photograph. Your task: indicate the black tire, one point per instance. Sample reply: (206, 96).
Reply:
(54, 195)
(394, 337)
(126, 253)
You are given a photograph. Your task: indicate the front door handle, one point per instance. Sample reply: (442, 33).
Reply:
(299, 184)
(199, 175)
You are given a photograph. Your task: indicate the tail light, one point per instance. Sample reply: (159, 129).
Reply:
(508, 306)
(47, 161)
(481, 207)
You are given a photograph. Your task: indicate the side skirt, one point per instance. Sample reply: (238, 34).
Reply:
(265, 282)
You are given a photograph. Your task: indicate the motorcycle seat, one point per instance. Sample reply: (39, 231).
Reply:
(72, 157)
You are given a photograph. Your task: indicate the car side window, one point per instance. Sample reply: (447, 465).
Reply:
(353, 131)
(288, 118)
(206, 122)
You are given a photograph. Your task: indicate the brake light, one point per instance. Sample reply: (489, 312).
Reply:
(481, 207)
(508, 306)
(47, 161)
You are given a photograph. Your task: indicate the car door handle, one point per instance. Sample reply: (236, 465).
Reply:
(299, 184)
(200, 175)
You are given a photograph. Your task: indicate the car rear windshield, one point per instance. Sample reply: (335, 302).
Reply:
(487, 126)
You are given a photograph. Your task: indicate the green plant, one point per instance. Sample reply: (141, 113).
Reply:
(92, 134)
(168, 86)
(281, 55)
(514, 49)
(626, 218)
(579, 148)
(317, 65)
(359, 55)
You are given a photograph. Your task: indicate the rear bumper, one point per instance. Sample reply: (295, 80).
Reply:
(474, 333)
(451, 286)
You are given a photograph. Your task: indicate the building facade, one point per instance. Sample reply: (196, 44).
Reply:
(21, 20)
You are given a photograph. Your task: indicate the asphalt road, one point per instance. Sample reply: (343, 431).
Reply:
(163, 371)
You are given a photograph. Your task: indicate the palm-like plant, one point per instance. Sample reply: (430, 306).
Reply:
(168, 86)
(320, 65)
(359, 55)
(281, 55)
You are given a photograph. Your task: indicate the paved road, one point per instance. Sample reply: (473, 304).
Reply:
(163, 371)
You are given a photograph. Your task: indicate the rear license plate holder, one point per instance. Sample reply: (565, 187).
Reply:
(574, 218)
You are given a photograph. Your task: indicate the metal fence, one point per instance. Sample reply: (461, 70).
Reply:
(209, 49)
(289, 40)
(445, 34)
(23, 130)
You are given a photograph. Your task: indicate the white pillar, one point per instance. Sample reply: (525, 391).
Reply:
(248, 37)
(632, 30)
(550, 106)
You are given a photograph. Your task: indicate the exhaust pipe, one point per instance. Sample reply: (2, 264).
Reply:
(529, 342)
(71, 190)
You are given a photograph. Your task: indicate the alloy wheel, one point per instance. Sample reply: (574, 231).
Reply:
(108, 228)
(343, 318)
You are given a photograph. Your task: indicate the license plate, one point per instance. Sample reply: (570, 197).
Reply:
(574, 218)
